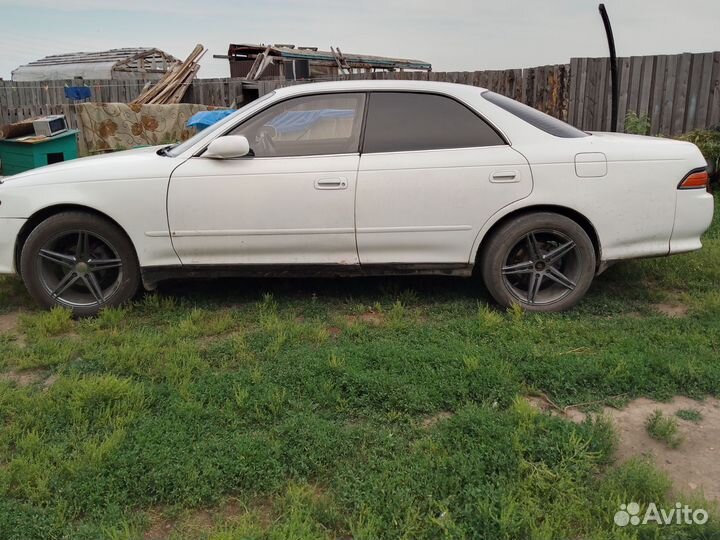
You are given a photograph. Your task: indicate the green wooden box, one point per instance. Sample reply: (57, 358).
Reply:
(19, 155)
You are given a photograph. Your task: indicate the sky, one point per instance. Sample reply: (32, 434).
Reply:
(453, 35)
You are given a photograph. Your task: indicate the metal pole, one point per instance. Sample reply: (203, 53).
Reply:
(613, 67)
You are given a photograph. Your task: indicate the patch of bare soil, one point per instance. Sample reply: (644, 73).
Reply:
(159, 528)
(369, 317)
(430, 421)
(199, 522)
(543, 403)
(694, 467)
(26, 377)
(9, 322)
(334, 331)
(47, 383)
(675, 310)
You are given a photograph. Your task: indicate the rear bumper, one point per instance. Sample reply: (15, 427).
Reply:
(9, 230)
(693, 215)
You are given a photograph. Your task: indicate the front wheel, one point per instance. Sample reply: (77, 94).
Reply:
(79, 261)
(541, 261)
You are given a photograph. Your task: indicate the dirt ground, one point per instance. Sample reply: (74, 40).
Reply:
(9, 322)
(694, 467)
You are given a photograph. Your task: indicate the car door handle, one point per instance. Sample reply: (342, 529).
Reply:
(331, 183)
(504, 176)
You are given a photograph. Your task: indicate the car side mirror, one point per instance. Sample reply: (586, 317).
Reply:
(228, 147)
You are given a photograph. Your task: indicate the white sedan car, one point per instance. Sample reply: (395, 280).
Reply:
(358, 177)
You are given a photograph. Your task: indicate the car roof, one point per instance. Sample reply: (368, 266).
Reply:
(369, 85)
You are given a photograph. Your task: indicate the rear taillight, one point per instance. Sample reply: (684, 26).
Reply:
(695, 179)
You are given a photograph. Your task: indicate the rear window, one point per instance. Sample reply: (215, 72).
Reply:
(540, 120)
(407, 121)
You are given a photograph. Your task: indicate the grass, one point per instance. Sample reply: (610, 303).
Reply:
(690, 415)
(664, 428)
(368, 408)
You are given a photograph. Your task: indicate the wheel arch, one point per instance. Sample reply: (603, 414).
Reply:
(41, 215)
(570, 213)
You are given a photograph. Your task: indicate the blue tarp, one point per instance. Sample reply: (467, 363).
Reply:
(205, 119)
(299, 121)
(77, 93)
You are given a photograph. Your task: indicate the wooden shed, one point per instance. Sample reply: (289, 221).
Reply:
(295, 63)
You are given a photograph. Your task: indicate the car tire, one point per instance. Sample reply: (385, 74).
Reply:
(542, 261)
(79, 261)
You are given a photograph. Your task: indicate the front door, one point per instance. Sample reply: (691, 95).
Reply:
(290, 202)
(432, 172)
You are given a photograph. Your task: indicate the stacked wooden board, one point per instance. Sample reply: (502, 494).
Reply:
(172, 87)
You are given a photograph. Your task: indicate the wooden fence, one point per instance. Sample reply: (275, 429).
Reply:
(545, 87)
(677, 92)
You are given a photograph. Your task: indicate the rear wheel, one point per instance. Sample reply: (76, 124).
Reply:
(79, 261)
(542, 261)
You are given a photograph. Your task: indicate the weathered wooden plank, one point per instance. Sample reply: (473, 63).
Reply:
(625, 78)
(681, 90)
(693, 92)
(518, 77)
(714, 112)
(572, 104)
(590, 100)
(534, 90)
(57, 93)
(669, 94)
(114, 91)
(564, 71)
(634, 88)
(601, 79)
(526, 74)
(645, 90)
(657, 94)
(704, 91)
(475, 78)
(582, 92)
(599, 98)
(23, 98)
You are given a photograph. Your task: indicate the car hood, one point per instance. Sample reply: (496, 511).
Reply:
(126, 164)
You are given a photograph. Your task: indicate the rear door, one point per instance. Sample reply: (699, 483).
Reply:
(432, 172)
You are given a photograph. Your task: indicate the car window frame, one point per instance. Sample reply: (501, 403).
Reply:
(472, 110)
(364, 93)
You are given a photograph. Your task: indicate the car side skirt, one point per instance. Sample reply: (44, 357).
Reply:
(153, 274)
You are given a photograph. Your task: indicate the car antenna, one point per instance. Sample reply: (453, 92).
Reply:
(613, 67)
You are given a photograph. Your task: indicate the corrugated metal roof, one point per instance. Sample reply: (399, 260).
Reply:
(311, 53)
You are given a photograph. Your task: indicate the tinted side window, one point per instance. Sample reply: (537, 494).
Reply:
(306, 126)
(540, 120)
(403, 121)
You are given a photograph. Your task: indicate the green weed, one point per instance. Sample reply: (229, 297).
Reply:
(663, 428)
(691, 415)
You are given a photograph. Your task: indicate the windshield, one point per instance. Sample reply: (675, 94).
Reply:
(540, 120)
(178, 149)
